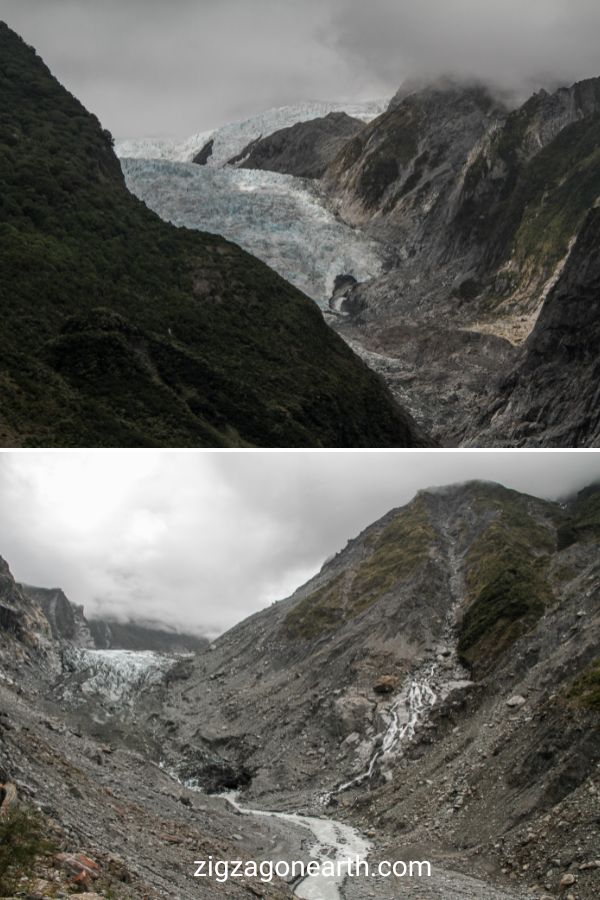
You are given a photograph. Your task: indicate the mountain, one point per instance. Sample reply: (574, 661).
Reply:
(450, 217)
(25, 633)
(434, 688)
(67, 621)
(435, 681)
(120, 330)
(69, 624)
(484, 205)
(218, 147)
(304, 149)
(112, 635)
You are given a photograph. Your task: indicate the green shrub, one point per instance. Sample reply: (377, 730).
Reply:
(506, 579)
(585, 691)
(23, 840)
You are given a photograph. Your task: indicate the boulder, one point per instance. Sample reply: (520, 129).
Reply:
(78, 863)
(385, 684)
(516, 701)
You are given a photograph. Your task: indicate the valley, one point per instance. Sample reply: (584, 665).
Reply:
(428, 695)
(437, 236)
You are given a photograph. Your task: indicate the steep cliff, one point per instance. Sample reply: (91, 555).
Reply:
(551, 398)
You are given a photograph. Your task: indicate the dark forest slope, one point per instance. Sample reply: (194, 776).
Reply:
(120, 330)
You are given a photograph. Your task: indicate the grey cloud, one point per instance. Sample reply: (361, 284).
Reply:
(151, 68)
(202, 540)
(183, 66)
(514, 45)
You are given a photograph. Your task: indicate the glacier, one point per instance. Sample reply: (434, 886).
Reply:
(119, 676)
(231, 139)
(280, 219)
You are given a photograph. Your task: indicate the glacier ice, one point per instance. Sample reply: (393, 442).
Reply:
(278, 218)
(231, 139)
(118, 675)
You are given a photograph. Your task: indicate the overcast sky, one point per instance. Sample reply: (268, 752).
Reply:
(201, 540)
(158, 68)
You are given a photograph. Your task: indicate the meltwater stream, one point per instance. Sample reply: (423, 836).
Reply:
(333, 842)
(416, 697)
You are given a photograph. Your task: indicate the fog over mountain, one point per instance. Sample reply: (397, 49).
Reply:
(199, 541)
(152, 68)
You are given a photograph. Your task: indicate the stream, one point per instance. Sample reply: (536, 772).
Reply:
(334, 842)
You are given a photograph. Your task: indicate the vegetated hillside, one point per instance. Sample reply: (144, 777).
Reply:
(304, 149)
(551, 397)
(121, 330)
(483, 596)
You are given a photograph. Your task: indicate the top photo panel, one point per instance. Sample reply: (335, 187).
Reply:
(291, 223)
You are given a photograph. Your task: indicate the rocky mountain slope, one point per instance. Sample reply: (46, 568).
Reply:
(435, 686)
(304, 149)
(434, 683)
(472, 210)
(551, 396)
(120, 330)
(112, 635)
(69, 625)
(460, 217)
(484, 206)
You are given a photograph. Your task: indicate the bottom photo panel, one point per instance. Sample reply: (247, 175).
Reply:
(324, 675)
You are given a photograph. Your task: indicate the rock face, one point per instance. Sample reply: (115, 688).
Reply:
(111, 635)
(404, 166)
(69, 625)
(551, 398)
(304, 149)
(20, 617)
(66, 619)
(484, 207)
(25, 633)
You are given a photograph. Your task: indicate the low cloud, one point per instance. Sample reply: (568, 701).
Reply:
(150, 68)
(513, 45)
(201, 540)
